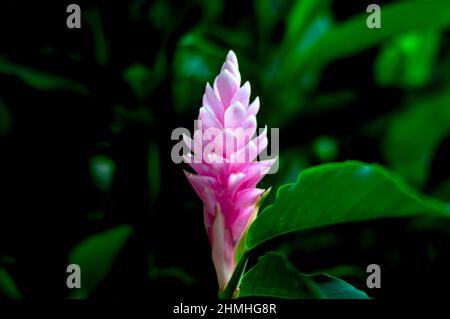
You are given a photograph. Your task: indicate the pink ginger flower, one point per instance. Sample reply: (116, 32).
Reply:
(224, 157)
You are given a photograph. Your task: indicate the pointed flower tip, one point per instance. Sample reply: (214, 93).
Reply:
(231, 57)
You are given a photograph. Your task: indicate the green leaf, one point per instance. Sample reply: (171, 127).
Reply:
(415, 134)
(330, 287)
(143, 80)
(326, 148)
(102, 171)
(96, 255)
(101, 47)
(307, 21)
(301, 19)
(171, 272)
(396, 18)
(138, 77)
(275, 276)
(196, 62)
(211, 9)
(128, 117)
(291, 161)
(269, 13)
(8, 287)
(160, 15)
(40, 80)
(408, 60)
(338, 193)
(442, 191)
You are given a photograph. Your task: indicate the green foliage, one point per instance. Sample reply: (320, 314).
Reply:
(328, 194)
(195, 63)
(40, 80)
(157, 272)
(96, 255)
(102, 171)
(338, 193)
(408, 60)
(143, 80)
(414, 135)
(303, 24)
(138, 77)
(326, 148)
(159, 14)
(275, 276)
(269, 13)
(171, 272)
(415, 15)
(8, 287)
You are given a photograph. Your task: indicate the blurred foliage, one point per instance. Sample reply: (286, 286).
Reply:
(326, 148)
(192, 70)
(102, 170)
(415, 133)
(96, 255)
(8, 287)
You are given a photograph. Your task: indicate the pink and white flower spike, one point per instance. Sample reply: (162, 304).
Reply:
(224, 156)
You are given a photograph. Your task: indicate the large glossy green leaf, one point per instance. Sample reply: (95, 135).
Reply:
(144, 80)
(300, 22)
(6, 120)
(196, 61)
(338, 193)
(157, 272)
(275, 276)
(268, 13)
(326, 148)
(96, 255)
(160, 15)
